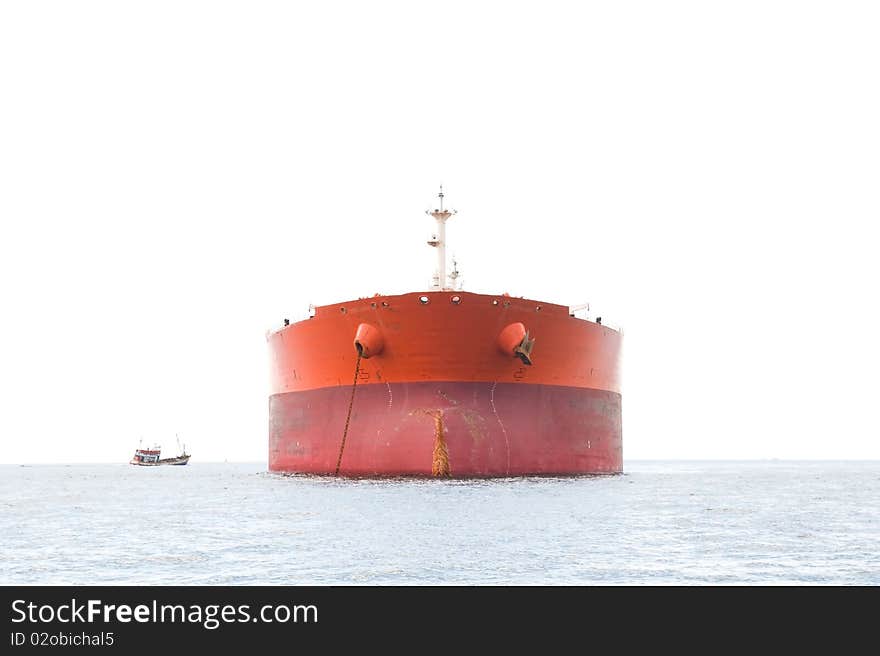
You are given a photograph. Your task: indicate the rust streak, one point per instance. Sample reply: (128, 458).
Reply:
(446, 396)
(440, 459)
(473, 420)
(440, 454)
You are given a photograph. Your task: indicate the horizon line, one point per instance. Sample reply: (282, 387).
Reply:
(625, 460)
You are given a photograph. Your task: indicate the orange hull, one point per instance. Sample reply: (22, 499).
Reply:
(444, 379)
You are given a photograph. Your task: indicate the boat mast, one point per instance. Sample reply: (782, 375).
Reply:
(438, 241)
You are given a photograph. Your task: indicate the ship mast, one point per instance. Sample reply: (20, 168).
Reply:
(438, 241)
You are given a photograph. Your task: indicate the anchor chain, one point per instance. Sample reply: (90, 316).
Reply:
(357, 368)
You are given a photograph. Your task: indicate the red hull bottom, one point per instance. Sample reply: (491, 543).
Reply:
(453, 429)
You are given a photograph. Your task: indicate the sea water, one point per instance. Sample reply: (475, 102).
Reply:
(683, 522)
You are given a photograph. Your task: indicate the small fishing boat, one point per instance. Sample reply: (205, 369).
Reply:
(152, 457)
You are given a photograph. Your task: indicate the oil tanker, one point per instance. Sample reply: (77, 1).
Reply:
(445, 383)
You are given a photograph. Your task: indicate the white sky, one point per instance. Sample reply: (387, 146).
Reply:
(178, 177)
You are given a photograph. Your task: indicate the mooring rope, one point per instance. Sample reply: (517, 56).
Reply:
(357, 367)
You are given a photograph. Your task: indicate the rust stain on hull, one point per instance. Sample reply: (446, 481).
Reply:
(440, 454)
(474, 422)
(440, 457)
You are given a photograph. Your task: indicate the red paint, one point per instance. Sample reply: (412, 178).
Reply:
(490, 430)
(560, 415)
(368, 340)
(442, 340)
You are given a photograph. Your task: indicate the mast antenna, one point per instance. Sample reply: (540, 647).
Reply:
(454, 275)
(438, 241)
